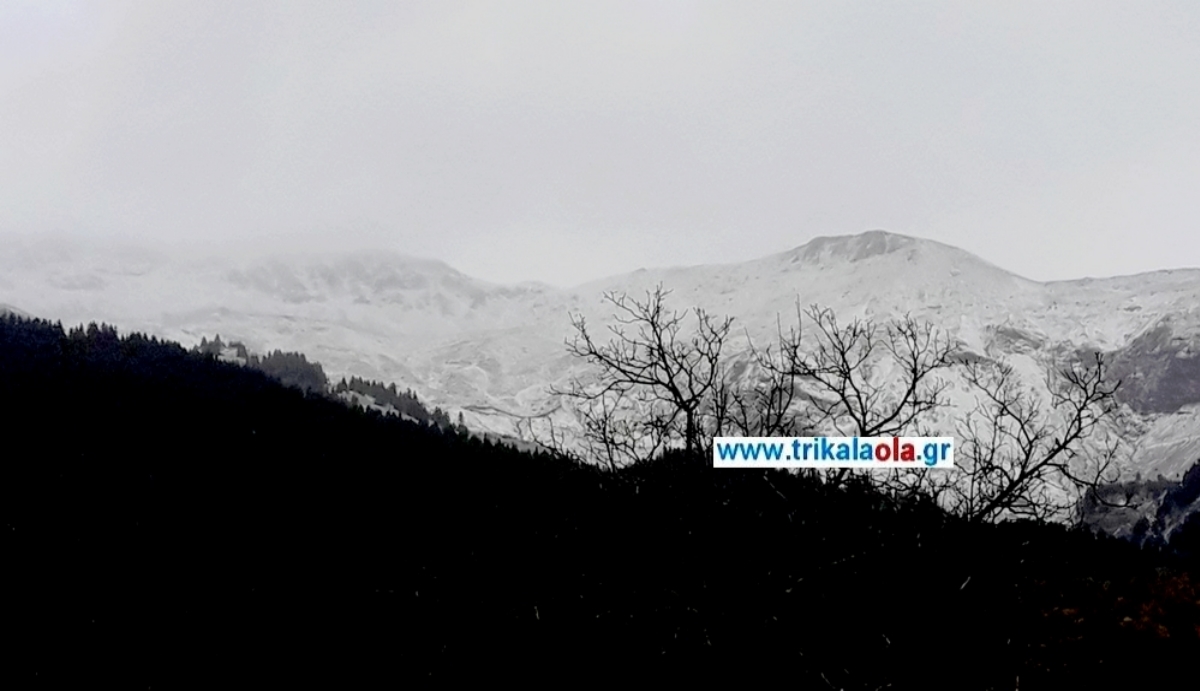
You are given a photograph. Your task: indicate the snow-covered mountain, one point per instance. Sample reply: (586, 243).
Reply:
(490, 351)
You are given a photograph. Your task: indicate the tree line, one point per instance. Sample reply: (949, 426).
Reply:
(404, 402)
(293, 369)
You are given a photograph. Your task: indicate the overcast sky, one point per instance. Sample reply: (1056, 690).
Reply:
(563, 141)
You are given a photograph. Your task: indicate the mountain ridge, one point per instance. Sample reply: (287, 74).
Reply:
(472, 346)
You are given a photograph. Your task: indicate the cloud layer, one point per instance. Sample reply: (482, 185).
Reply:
(565, 141)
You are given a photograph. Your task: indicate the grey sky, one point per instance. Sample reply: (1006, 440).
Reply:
(562, 141)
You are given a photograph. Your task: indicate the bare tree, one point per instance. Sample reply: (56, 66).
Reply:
(1020, 460)
(759, 398)
(654, 381)
(1015, 458)
(868, 380)
(841, 372)
(660, 387)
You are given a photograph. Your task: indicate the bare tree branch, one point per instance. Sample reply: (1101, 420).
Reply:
(656, 386)
(1021, 461)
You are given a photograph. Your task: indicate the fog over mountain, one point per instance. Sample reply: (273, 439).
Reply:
(491, 351)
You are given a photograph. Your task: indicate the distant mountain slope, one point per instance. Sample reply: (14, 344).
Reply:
(490, 351)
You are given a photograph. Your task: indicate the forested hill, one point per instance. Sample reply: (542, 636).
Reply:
(402, 402)
(294, 369)
(173, 520)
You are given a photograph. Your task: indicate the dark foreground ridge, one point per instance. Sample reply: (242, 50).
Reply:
(170, 519)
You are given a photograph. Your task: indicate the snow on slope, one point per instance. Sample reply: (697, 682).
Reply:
(6, 310)
(491, 350)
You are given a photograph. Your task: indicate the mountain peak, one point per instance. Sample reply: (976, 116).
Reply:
(855, 248)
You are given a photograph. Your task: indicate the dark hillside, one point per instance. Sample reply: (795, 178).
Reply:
(169, 518)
